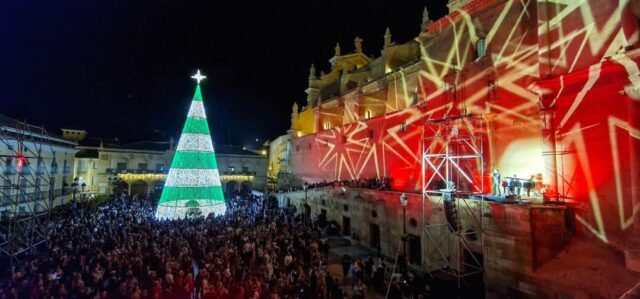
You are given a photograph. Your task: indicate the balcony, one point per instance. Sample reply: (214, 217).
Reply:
(245, 173)
(116, 171)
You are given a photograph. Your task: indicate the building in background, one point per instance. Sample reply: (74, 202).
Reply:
(35, 164)
(278, 171)
(135, 168)
(73, 134)
(551, 86)
(241, 169)
(141, 167)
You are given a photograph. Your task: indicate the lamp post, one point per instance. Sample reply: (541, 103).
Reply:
(404, 201)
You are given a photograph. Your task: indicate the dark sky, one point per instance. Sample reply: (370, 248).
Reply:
(121, 68)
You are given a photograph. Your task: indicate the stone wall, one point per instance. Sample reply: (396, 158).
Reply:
(517, 238)
(363, 207)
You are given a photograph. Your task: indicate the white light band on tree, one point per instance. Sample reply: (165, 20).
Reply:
(195, 143)
(196, 110)
(192, 178)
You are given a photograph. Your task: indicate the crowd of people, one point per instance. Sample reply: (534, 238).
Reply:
(118, 250)
(377, 183)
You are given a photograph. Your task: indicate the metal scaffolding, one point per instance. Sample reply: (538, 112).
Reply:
(27, 190)
(453, 195)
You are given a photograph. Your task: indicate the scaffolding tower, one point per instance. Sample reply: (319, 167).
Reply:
(26, 190)
(453, 195)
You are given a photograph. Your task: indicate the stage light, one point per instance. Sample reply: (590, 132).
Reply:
(523, 158)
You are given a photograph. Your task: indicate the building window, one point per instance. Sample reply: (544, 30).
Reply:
(368, 114)
(142, 166)
(232, 169)
(95, 165)
(121, 166)
(481, 48)
(82, 167)
(160, 167)
(245, 169)
(413, 222)
(54, 166)
(25, 168)
(327, 125)
(8, 166)
(65, 167)
(41, 168)
(345, 208)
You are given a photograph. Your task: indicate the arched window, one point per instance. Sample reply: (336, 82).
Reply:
(368, 114)
(327, 125)
(481, 48)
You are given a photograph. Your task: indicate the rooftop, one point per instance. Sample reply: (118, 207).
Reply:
(92, 145)
(13, 123)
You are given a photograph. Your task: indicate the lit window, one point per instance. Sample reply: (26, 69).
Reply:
(368, 114)
(481, 48)
(327, 125)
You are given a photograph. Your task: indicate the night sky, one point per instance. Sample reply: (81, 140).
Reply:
(122, 68)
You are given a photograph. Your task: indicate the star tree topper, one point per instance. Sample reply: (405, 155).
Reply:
(198, 77)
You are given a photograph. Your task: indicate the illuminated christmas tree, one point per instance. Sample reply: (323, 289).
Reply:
(193, 184)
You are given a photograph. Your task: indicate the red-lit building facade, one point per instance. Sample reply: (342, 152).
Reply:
(555, 84)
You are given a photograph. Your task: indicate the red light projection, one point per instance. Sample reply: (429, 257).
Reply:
(557, 90)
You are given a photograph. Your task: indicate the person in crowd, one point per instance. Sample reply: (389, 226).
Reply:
(378, 183)
(118, 250)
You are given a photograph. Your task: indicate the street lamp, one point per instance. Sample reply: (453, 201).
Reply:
(404, 201)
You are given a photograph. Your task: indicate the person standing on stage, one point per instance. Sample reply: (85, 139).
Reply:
(496, 182)
(529, 184)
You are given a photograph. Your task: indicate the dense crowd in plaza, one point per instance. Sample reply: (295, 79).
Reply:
(257, 250)
(381, 183)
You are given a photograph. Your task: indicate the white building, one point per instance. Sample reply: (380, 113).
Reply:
(141, 167)
(138, 168)
(279, 170)
(35, 167)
